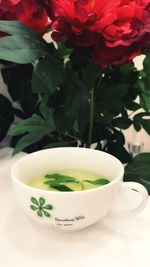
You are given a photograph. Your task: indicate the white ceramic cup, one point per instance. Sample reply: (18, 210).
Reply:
(71, 210)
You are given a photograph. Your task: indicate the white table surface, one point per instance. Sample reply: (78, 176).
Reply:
(109, 243)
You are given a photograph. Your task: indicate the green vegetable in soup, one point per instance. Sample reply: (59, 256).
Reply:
(98, 181)
(61, 187)
(61, 178)
(57, 181)
(68, 180)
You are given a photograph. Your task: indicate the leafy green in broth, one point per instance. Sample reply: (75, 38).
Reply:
(68, 180)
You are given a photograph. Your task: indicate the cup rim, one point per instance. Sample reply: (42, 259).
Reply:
(17, 180)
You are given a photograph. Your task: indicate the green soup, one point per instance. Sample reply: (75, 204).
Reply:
(68, 180)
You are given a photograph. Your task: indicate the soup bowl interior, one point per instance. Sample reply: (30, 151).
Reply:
(57, 159)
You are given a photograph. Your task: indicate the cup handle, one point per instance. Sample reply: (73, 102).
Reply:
(140, 189)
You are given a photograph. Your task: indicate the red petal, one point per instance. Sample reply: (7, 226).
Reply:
(81, 12)
(105, 56)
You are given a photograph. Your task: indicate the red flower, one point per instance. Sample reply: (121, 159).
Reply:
(117, 30)
(26, 11)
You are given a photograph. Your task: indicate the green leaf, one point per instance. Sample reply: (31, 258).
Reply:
(33, 199)
(25, 46)
(46, 213)
(48, 207)
(111, 98)
(59, 144)
(61, 187)
(28, 140)
(61, 178)
(138, 170)
(103, 118)
(39, 213)
(90, 75)
(137, 125)
(21, 50)
(142, 120)
(118, 90)
(122, 122)
(146, 125)
(35, 128)
(72, 106)
(80, 58)
(18, 29)
(18, 81)
(145, 100)
(34, 208)
(144, 84)
(63, 51)
(57, 181)
(128, 74)
(6, 116)
(35, 123)
(47, 76)
(127, 68)
(119, 151)
(131, 105)
(98, 181)
(41, 201)
(141, 158)
(46, 112)
(62, 121)
(77, 105)
(83, 117)
(119, 137)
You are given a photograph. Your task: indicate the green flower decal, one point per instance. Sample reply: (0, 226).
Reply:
(41, 207)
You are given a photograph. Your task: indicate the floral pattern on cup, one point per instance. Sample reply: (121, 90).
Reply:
(40, 207)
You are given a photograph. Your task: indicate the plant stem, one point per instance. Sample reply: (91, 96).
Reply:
(91, 118)
(91, 114)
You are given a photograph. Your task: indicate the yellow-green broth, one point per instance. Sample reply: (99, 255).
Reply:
(39, 180)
